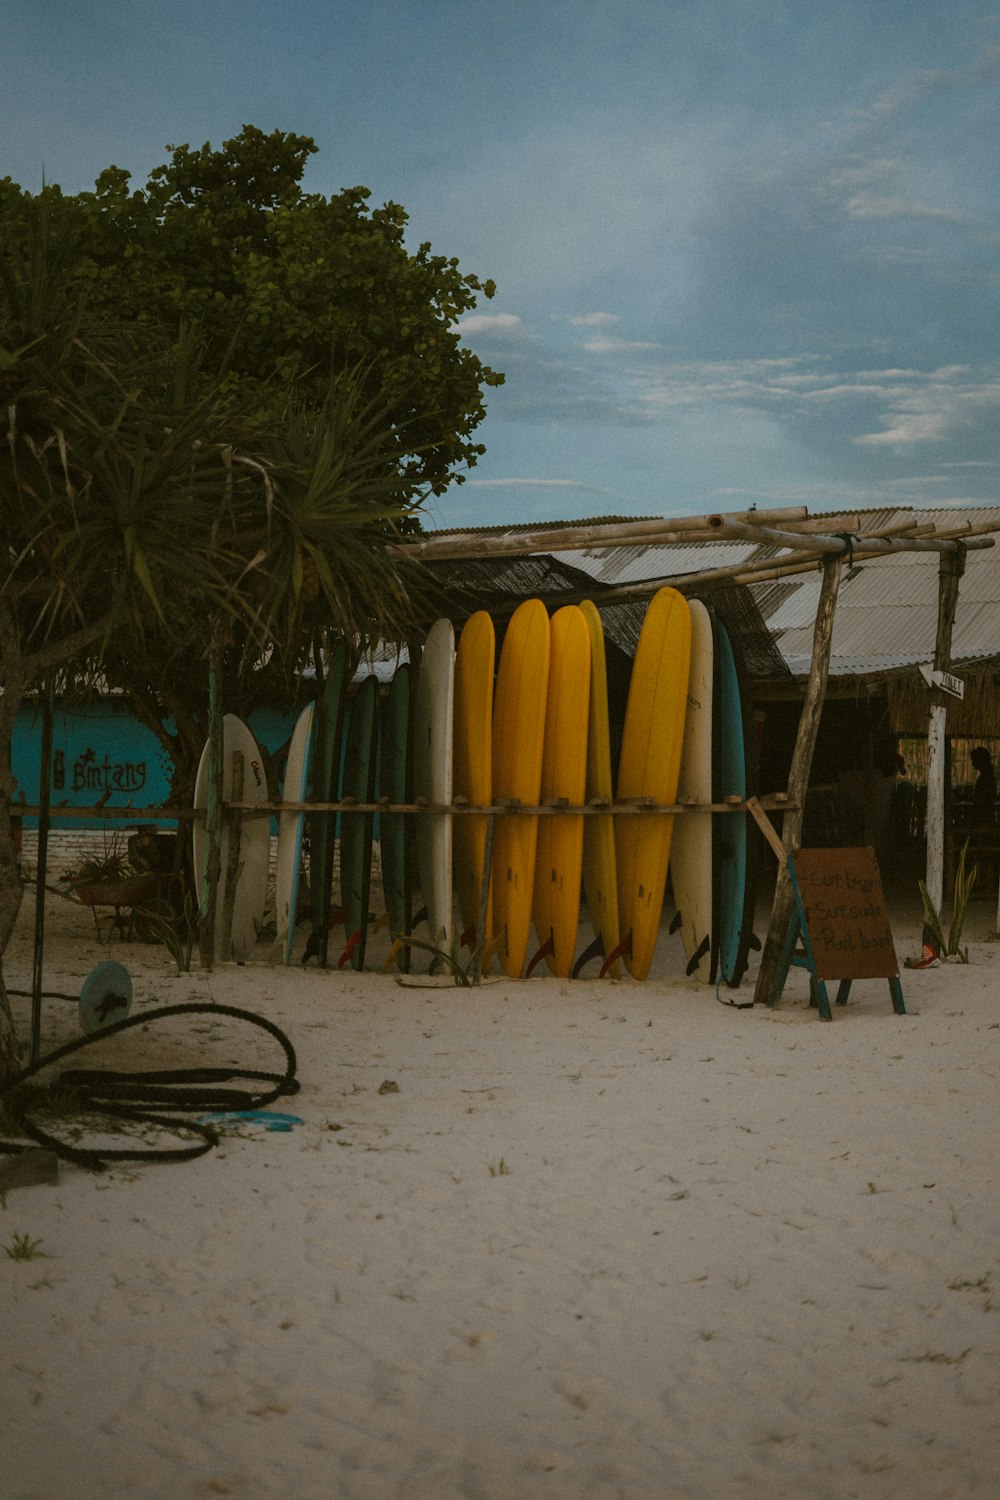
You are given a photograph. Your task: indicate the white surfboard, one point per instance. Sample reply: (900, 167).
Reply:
(691, 857)
(291, 825)
(433, 714)
(255, 842)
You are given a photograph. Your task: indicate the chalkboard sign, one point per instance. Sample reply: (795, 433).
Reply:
(845, 912)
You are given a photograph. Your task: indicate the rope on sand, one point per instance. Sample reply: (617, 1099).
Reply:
(127, 1096)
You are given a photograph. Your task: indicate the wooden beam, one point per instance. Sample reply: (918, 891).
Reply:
(565, 538)
(798, 777)
(950, 570)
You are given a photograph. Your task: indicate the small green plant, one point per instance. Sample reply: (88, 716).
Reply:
(112, 864)
(948, 947)
(500, 1170)
(174, 930)
(23, 1247)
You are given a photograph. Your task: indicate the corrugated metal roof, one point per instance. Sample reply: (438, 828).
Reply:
(886, 610)
(619, 565)
(886, 616)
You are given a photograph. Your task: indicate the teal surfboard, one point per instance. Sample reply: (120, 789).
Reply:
(734, 887)
(327, 731)
(394, 784)
(356, 828)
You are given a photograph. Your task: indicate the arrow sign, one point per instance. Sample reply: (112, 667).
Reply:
(946, 682)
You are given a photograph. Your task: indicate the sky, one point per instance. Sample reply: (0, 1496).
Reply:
(747, 252)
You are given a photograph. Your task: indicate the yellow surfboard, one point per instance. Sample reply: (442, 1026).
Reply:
(473, 775)
(599, 877)
(559, 858)
(518, 734)
(649, 767)
(691, 852)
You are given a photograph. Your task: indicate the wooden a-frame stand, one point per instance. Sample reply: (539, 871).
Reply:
(791, 955)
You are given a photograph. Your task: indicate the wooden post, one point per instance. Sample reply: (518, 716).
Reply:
(798, 776)
(213, 821)
(950, 570)
(234, 867)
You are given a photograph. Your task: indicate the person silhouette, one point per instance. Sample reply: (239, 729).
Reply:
(984, 793)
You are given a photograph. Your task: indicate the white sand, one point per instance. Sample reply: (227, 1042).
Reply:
(732, 1253)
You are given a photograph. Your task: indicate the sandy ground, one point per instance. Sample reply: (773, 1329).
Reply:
(606, 1239)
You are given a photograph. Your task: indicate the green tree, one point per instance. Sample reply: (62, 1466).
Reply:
(280, 280)
(184, 458)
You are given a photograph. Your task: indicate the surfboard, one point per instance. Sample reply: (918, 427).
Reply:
(255, 841)
(559, 852)
(356, 828)
(600, 881)
(291, 826)
(518, 737)
(649, 768)
(473, 779)
(691, 852)
(433, 732)
(735, 889)
(394, 784)
(328, 728)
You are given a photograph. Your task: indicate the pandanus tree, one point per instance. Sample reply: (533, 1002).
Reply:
(162, 510)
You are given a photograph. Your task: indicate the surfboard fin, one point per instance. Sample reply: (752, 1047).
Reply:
(592, 950)
(468, 938)
(348, 953)
(624, 950)
(382, 920)
(420, 917)
(545, 951)
(675, 922)
(697, 956)
(754, 942)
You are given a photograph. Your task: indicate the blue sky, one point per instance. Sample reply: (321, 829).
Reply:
(747, 251)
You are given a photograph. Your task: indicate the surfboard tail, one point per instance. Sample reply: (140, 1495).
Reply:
(594, 949)
(623, 951)
(547, 949)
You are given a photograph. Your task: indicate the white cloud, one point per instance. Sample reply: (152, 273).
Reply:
(869, 205)
(593, 320)
(536, 484)
(495, 325)
(616, 346)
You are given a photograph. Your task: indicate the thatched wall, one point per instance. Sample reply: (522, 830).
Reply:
(976, 716)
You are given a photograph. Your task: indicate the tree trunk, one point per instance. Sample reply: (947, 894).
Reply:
(11, 890)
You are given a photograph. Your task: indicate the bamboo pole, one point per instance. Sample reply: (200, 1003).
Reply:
(564, 538)
(749, 572)
(798, 778)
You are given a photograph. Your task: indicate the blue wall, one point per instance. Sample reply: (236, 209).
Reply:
(98, 747)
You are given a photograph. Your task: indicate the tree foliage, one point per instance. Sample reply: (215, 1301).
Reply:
(224, 400)
(280, 281)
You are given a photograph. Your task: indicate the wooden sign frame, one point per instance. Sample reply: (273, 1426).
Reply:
(844, 930)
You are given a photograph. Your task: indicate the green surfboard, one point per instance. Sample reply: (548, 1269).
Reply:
(395, 785)
(356, 828)
(328, 731)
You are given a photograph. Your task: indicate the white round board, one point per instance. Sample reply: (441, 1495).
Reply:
(288, 861)
(255, 842)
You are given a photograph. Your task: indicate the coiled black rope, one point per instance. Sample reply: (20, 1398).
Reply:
(121, 1096)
